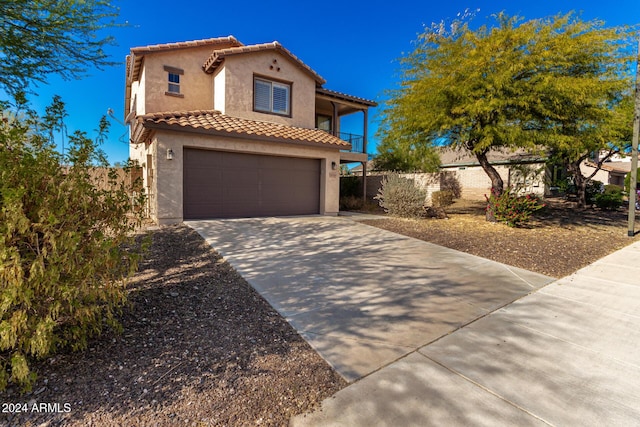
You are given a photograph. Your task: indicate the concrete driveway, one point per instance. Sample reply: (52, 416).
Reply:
(361, 296)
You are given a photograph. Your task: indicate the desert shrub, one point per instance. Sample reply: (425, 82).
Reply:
(449, 182)
(400, 197)
(511, 209)
(63, 256)
(439, 201)
(610, 199)
(442, 199)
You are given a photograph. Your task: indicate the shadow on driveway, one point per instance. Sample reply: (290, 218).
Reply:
(361, 296)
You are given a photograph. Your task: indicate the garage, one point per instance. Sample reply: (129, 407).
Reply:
(220, 184)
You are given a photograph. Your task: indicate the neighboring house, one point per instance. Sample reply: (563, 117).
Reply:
(609, 173)
(613, 170)
(227, 130)
(519, 169)
(460, 171)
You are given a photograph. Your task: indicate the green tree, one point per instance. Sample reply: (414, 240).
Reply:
(495, 87)
(64, 236)
(465, 89)
(54, 119)
(411, 158)
(41, 37)
(599, 127)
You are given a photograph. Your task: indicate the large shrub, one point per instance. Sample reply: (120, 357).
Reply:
(592, 189)
(63, 239)
(610, 199)
(512, 209)
(400, 197)
(351, 193)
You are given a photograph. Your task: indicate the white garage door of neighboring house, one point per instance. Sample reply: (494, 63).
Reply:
(218, 184)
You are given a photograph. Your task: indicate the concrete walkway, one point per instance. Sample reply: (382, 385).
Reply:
(420, 331)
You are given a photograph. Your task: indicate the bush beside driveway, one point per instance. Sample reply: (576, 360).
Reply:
(199, 346)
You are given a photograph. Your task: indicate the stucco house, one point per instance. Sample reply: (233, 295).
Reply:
(613, 171)
(226, 130)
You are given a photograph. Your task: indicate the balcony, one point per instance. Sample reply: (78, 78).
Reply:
(331, 108)
(356, 141)
(356, 153)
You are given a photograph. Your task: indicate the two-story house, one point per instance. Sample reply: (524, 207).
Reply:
(226, 130)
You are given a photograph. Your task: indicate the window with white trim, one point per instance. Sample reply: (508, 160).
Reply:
(272, 97)
(173, 80)
(174, 83)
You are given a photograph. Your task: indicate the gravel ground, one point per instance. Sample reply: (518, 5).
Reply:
(558, 241)
(200, 347)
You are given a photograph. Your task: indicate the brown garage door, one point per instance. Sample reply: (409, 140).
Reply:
(219, 184)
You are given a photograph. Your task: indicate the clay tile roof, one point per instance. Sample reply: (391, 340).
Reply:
(217, 57)
(212, 121)
(187, 44)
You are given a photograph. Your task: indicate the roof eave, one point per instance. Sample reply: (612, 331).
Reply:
(217, 58)
(333, 95)
(150, 125)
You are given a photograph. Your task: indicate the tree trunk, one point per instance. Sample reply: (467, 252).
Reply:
(497, 184)
(580, 182)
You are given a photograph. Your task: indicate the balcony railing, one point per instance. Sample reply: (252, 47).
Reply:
(356, 141)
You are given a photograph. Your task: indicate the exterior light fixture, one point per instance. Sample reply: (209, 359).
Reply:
(334, 166)
(169, 154)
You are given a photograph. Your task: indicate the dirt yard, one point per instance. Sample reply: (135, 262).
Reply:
(557, 241)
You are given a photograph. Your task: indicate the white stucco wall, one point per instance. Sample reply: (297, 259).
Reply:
(219, 98)
(602, 175)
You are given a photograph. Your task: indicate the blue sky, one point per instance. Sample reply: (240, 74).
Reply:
(354, 45)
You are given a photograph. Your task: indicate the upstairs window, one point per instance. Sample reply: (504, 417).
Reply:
(272, 97)
(173, 79)
(324, 123)
(174, 83)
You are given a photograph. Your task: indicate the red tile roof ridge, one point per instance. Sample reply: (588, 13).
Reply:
(186, 44)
